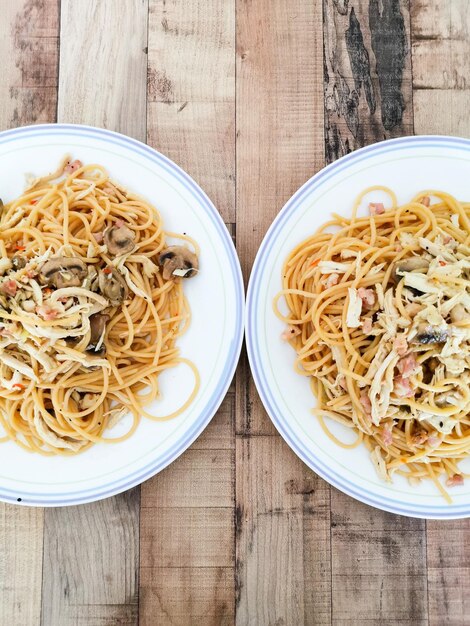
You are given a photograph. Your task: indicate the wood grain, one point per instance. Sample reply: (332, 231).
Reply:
(91, 552)
(187, 541)
(29, 35)
(441, 48)
(282, 521)
(191, 92)
(103, 65)
(378, 559)
(368, 94)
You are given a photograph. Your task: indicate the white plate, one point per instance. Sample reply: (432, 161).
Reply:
(213, 340)
(407, 165)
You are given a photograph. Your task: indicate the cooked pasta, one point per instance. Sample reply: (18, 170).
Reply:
(379, 315)
(91, 307)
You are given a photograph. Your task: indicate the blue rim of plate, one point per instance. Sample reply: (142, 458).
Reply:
(202, 200)
(253, 307)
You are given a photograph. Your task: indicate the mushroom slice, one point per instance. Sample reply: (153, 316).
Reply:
(119, 239)
(112, 285)
(18, 262)
(178, 261)
(411, 264)
(61, 271)
(97, 328)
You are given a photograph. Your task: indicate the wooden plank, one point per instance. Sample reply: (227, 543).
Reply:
(448, 549)
(282, 521)
(441, 46)
(28, 92)
(103, 65)
(283, 532)
(378, 565)
(29, 51)
(187, 533)
(91, 556)
(187, 540)
(21, 544)
(191, 87)
(367, 73)
(378, 559)
(199, 596)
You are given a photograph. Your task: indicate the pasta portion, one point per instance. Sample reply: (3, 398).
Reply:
(379, 316)
(91, 307)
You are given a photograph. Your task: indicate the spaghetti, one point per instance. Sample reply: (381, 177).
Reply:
(91, 307)
(379, 315)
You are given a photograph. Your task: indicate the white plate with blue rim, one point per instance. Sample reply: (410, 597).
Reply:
(213, 341)
(406, 165)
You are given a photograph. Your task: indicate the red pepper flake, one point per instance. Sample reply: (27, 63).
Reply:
(20, 248)
(34, 201)
(19, 386)
(47, 291)
(442, 263)
(107, 270)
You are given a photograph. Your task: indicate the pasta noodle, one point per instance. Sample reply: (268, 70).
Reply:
(91, 308)
(379, 316)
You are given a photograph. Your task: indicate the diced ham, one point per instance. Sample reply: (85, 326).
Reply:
(368, 298)
(398, 248)
(342, 383)
(366, 325)
(290, 332)
(366, 404)
(419, 437)
(72, 167)
(47, 312)
(9, 287)
(454, 481)
(98, 237)
(400, 345)
(376, 208)
(119, 223)
(402, 387)
(447, 239)
(387, 437)
(433, 441)
(407, 365)
(426, 200)
(332, 280)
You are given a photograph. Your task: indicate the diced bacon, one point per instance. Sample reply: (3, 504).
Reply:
(368, 298)
(407, 365)
(366, 325)
(419, 437)
(455, 481)
(98, 237)
(47, 312)
(376, 208)
(9, 287)
(72, 167)
(400, 345)
(402, 387)
(290, 332)
(365, 403)
(387, 437)
(425, 200)
(331, 280)
(447, 239)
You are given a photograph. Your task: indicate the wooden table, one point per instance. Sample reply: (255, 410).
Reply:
(251, 97)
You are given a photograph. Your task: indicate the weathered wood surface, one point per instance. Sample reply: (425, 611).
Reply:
(251, 98)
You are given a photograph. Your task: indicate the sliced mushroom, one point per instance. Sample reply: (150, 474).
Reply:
(61, 271)
(458, 313)
(97, 328)
(431, 334)
(412, 264)
(112, 285)
(18, 262)
(119, 239)
(178, 261)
